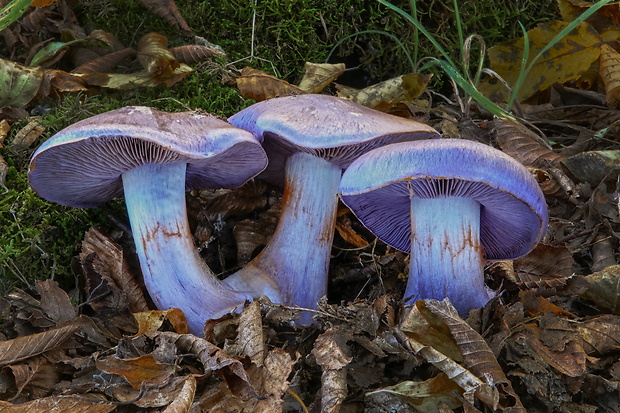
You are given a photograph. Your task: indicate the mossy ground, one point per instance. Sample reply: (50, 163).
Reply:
(38, 239)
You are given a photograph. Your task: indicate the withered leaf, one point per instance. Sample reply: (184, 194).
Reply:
(27, 135)
(59, 404)
(154, 55)
(24, 347)
(390, 91)
(184, 399)
(604, 288)
(138, 370)
(55, 302)
(600, 335)
(193, 53)
(570, 57)
(609, 69)
(151, 321)
(427, 395)
(106, 63)
(594, 166)
(543, 263)
(258, 85)
(250, 339)
(523, 144)
(318, 75)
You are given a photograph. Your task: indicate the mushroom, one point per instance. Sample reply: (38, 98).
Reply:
(153, 157)
(450, 203)
(309, 140)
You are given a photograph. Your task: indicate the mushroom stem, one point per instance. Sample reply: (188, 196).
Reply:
(446, 255)
(174, 273)
(296, 258)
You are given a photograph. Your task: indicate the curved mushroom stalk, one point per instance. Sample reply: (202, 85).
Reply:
(296, 260)
(446, 254)
(174, 274)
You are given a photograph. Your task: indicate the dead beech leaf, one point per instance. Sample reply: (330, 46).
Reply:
(543, 263)
(609, 69)
(167, 10)
(535, 305)
(20, 84)
(318, 75)
(523, 144)
(138, 370)
(250, 339)
(27, 135)
(151, 321)
(252, 235)
(41, 3)
(224, 203)
(105, 258)
(426, 395)
(60, 404)
(193, 53)
(55, 302)
(390, 91)
(594, 166)
(5, 127)
(184, 399)
(4, 169)
(258, 85)
(604, 288)
(155, 57)
(600, 335)
(333, 354)
(567, 60)
(349, 235)
(36, 376)
(106, 63)
(414, 84)
(24, 347)
(478, 356)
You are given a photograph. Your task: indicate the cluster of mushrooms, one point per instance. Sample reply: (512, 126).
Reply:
(450, 203)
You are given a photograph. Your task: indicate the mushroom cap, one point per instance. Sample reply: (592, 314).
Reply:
(81, 165)
(378, 187)
(328, 127)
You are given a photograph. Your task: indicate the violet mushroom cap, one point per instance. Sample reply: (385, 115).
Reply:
(153, 157)
(309, 140)
(450, 203)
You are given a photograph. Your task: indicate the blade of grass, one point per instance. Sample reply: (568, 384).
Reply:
(12, 12)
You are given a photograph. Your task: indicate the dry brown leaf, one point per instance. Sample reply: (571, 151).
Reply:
(193, 53)
(600, 335)
(544, 262)
(167, 10)
(59, 404)
(250, 339)
(184, 399)
(151, 321)
(252, 235)
(55, 302)
(138, 371)
(106, 63)
(349, 235)
(4, 169)
(604, 288)
(258, 85)
(21, 348)
(318, 75)
(36, 376)
(224, 203)
(594, 166)
(536, 305)
(477, 356)
(41, 3)
(27, 135)
(523, 144)
(105, 258)
(609, 69)
(154, 55)
(390, 91)
(333, 354)
(5, 127)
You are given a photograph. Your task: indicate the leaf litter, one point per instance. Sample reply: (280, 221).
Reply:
(548, 342)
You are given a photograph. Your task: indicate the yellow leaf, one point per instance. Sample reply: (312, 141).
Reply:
(151, 321)
(318, 75)
(609, 69)
(138, 369)
(258, 85)
(565, 61)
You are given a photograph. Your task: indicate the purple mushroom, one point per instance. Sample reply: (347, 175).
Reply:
(450, 203)
(153, 157)
(309, 140)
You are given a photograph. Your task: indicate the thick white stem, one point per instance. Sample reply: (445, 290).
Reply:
(293, 267)
(174, 274)
(446, 256)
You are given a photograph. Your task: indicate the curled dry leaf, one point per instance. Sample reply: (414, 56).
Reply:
(250, 339)
(154, 55)
(27, 135)
(523, 144)
(477, 356)
(318, 75)
(391, 91)
(55, 302)
(106, 63)
(193, 53)
(4, 169)
(151, 321)
(609, 69)
(221, 204)
(184, 399)
(258, 85)
(252, 235)
(600, 335)
(333, 354)
(106, 259)
(543, 263)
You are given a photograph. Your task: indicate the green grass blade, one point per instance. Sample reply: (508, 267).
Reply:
(12, 12)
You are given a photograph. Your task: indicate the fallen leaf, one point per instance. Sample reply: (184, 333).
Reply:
(567, 60)
(138, 371)
(604, 288)
(60, 404)
(151, 321)
(318, 75)
(258, 85)
(167, 10)
(24, 347)
(594, 166)
(609, 69)
(27, 135)
(20, 84)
